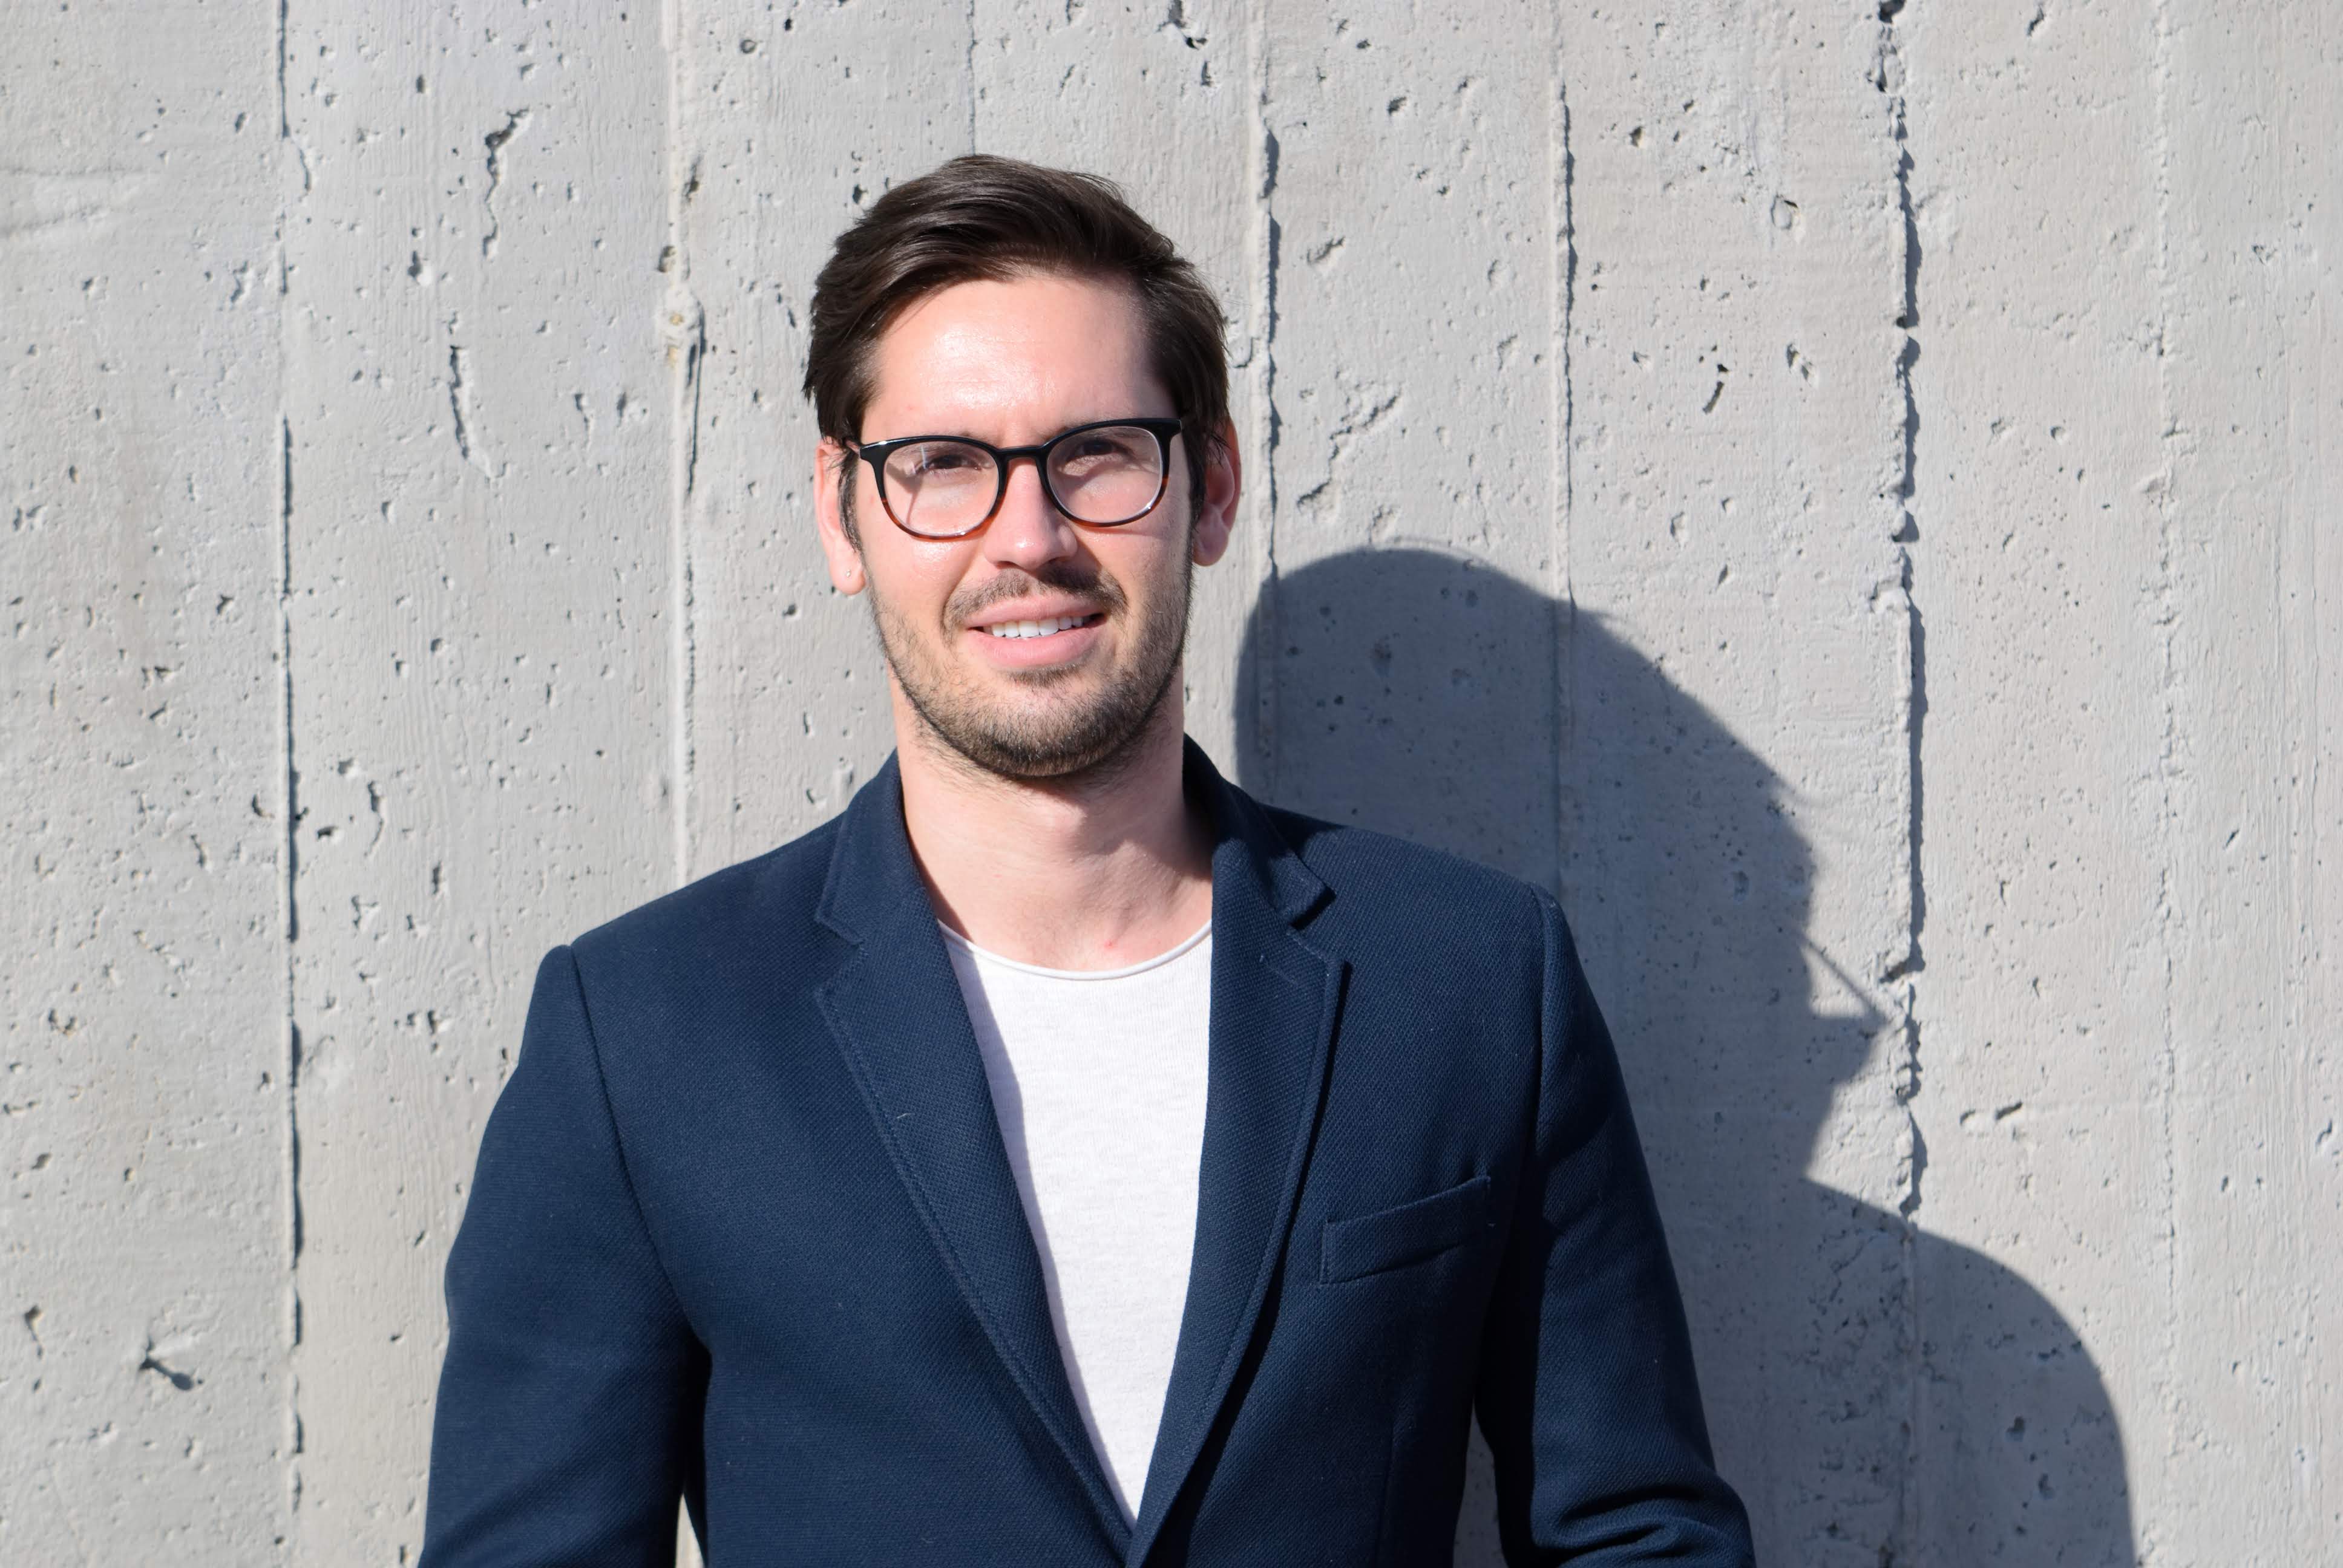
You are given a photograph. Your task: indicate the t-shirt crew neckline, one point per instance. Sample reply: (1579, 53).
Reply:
(1168, 955)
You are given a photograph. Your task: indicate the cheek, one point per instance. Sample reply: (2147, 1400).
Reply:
(915, 582)
(1158, 568)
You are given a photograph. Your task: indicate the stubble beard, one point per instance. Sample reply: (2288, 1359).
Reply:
(1090, 733)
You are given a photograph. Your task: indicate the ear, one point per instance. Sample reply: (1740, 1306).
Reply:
(1224, 482)
(834, 468)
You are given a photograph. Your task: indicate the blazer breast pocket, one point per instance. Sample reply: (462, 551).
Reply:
(1411, 1234)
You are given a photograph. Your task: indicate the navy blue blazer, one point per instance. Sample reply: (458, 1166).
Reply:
(743, 1231)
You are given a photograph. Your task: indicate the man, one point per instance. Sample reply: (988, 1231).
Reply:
(1059, 1158)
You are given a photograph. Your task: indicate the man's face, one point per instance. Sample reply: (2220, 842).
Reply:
(1014, 363)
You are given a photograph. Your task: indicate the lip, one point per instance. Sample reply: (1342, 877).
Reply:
(1035, 653)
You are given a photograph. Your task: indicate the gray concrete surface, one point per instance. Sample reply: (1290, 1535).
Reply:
(1844, 493)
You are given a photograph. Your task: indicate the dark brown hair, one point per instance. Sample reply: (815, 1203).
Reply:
(993, 218)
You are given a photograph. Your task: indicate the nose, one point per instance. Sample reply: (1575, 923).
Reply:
(1027, 530)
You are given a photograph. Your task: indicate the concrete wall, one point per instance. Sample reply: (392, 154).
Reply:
(1845, 492)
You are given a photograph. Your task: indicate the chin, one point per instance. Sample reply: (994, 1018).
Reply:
(1043, 678)
(1080, 733)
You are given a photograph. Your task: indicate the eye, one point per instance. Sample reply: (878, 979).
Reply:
(937, 458)
(1091, 448)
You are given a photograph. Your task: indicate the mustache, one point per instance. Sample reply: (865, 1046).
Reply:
(1082, 580)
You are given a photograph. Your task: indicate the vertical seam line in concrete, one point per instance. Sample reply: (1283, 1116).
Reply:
(289, 915)
(288, 781)
(969, 72)
(1267, 663)
(683, 330)
(1894, 81)
(2167, 761)
(1561, 416)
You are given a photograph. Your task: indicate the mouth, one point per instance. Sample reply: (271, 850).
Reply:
(1021, 642)
(1046, 625)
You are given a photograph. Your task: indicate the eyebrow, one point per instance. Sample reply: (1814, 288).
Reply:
(963, 434)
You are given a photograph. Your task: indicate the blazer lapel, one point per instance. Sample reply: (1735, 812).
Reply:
(902, 1025)
(1274, 1005)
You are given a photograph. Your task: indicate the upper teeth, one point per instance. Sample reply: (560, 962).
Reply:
(1036, 627)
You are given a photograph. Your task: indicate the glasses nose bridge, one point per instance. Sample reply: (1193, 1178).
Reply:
(1006, 459)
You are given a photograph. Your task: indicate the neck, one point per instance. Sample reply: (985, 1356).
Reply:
(1094, 870)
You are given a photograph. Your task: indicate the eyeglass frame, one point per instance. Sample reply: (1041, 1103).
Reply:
(1162, 429)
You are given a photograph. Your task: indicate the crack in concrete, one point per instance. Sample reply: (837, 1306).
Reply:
(285, 101)
(459, 407)
(181, 1381)
(515, 121)
(1365, 408)
(687, 332)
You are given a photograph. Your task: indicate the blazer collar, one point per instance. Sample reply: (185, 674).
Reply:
(1275, 1000)
(871, 871)
(897, 1011)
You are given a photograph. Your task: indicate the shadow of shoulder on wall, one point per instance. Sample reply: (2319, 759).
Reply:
(1879, 1395)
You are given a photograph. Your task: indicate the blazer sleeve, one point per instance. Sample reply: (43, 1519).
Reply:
(567, 1423)
(1586, 1392)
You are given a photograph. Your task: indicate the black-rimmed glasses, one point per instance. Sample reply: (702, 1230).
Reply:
(1100, 474)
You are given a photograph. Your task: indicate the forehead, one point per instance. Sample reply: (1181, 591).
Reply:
(1038, 349)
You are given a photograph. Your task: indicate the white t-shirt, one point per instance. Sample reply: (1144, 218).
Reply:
(1098, 1080)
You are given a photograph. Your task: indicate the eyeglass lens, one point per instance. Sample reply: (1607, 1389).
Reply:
(1111, 473)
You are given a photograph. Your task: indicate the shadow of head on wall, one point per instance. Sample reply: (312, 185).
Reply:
(1878, 1396)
